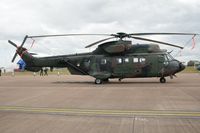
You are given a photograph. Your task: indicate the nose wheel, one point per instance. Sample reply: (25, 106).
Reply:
(98, 81)
(162, 80)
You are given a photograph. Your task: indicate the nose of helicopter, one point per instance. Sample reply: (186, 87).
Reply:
(181, 67)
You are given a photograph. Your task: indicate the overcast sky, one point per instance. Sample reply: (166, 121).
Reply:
(36, 17)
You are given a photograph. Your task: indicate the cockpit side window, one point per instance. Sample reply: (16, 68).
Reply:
(166, 58)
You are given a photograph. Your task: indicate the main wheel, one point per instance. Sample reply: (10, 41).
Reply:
(162, 80)
(98, 81)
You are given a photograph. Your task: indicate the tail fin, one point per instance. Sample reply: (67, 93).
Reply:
(29, 60)
(25, 56)
(22, 52)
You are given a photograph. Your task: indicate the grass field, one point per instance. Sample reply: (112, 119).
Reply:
(190, 69)
(65, 71)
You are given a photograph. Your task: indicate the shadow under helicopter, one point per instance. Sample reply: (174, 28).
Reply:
(111, 82)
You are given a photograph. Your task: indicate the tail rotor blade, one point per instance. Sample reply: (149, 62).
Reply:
(18, 48)
(14, 57)
(15, 45)
(23, 41)
(12, 43)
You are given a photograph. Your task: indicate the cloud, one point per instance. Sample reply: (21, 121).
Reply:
(34, 17)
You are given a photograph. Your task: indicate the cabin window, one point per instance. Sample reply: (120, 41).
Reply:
(103, 61)
(126, 60)
(142, 60)
(119, 60)
(135, 60)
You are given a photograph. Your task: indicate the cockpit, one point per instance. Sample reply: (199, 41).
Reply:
(168, 57)
(172, 64)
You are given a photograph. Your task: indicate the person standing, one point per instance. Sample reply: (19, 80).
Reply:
(41, 72)
(0, 72)
(46, 71)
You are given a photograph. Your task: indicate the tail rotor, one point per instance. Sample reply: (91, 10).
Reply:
(18, 48)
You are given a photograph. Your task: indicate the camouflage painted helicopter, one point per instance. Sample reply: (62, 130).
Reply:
(111, 59)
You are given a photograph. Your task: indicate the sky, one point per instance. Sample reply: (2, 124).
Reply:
(36, 17)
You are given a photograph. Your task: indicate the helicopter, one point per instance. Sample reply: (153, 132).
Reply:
(111, 59)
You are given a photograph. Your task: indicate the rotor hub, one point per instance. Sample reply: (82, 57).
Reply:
(121, 35)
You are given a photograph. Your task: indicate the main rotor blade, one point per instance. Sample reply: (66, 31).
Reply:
(99, 42)
(134, 34)
(59, 35)
(12, 43)
(13, 59)
(150, 40)
(141, 34)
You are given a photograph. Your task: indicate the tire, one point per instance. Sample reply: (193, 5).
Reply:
(162, 80)
(98, 81)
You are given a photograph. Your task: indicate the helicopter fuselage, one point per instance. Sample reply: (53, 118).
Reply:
(138, 61)
(111, 59)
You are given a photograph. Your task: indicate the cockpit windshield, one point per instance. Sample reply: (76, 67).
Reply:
(168, 57)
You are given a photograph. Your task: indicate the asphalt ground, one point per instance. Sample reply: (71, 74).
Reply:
(75, 104)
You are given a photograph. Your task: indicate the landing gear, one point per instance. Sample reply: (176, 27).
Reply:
(162, 80)
(98, 81)
(120, 79)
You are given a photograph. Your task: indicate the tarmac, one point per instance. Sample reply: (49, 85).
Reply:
(75, 104)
